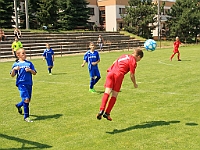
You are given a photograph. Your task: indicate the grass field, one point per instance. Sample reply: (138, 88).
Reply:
(163, 113)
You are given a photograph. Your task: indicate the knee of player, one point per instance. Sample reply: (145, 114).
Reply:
(26, 101)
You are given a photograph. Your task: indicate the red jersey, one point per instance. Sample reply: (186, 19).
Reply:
(176, 45)
(124, 64)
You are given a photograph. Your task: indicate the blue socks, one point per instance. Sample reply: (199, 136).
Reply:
(49, 69)
(93, 82)
(20, 104)
(26, 110)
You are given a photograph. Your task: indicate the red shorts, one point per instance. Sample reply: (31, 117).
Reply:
(176, 51)
(114, 81)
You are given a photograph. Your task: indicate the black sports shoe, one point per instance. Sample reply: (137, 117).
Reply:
(19, 109)
(99, 115)
(107, 116)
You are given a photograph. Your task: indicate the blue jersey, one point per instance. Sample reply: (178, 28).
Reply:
(90, 57)
(48, 53)
(23, 77)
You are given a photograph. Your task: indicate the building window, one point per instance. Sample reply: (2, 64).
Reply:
(122, 11)
(91, 10)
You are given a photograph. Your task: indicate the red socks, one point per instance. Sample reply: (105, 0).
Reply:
(110, 105)
(104, 101)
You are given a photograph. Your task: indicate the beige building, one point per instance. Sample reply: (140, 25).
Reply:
(107, 13)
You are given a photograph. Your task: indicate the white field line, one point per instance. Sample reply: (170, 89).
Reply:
(127, 89)
(161, 62)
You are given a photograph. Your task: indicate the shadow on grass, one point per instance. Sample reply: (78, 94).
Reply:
(35, 145)
(149, 124)
(101, 92)
(55, 116)
(191, 124)
(62, 73)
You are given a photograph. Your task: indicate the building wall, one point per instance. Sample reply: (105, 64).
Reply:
(94, 18)
(112, 16)
(92, 2)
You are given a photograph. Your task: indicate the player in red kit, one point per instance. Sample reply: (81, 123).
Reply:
(114, 79)
(176, 46)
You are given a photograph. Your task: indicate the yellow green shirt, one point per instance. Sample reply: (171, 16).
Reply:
(16, 45)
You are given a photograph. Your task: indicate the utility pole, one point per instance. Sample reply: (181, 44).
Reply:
(16, 13)
(159, 22)
(26, 12)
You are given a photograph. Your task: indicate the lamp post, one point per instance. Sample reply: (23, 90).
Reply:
(26, 13)
(16, 13)
(159, 22)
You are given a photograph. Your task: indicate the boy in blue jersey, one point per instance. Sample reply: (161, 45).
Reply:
(24, 70)
(92, 58)
(49, 56)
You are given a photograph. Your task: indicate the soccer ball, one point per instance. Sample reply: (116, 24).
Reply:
(150, 45)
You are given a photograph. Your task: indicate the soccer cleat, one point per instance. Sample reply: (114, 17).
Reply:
(92, 90)
(107, 116)
(28, 119)
(50, 73)
(19, 109)
(179, 60)
(99, 115)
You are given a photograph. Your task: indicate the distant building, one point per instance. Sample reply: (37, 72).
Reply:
(107, 13)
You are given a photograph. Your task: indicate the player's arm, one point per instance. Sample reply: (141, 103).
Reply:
(20, 45)
(96, 62)
(132, 76)
(83, 64)
(13, 71)
(53, 57)
(31, 71)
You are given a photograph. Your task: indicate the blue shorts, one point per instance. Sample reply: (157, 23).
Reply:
(49, 62)
(94, 73)
(25, 91)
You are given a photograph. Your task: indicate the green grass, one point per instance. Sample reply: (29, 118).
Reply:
(161, 114)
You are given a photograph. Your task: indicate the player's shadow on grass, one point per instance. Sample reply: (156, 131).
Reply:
(149, 124)
(191, 124)
(55, 116)
(61, 73)
(101, 92)
(26, 144)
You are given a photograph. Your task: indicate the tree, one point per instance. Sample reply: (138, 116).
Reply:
(73, 13)
(47, 13)
(184, 20)
(140, 15)
(6, 13)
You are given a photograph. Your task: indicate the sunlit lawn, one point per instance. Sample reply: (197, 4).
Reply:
(162, 113)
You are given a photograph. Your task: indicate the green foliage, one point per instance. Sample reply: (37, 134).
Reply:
(6, 13)
(73, 13)
(161, 114)
(184, 20)
(47, 13)
(139, 16)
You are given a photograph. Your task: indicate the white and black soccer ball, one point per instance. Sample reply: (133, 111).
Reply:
(150, 45)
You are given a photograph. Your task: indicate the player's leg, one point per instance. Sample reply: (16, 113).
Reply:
(178, 56)
(92, 81)
(98, 76)
(110, 105)
(172, 56)
(25, 92)
(50, 65)
(116, 88)
(105, 97)
(104, 101)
